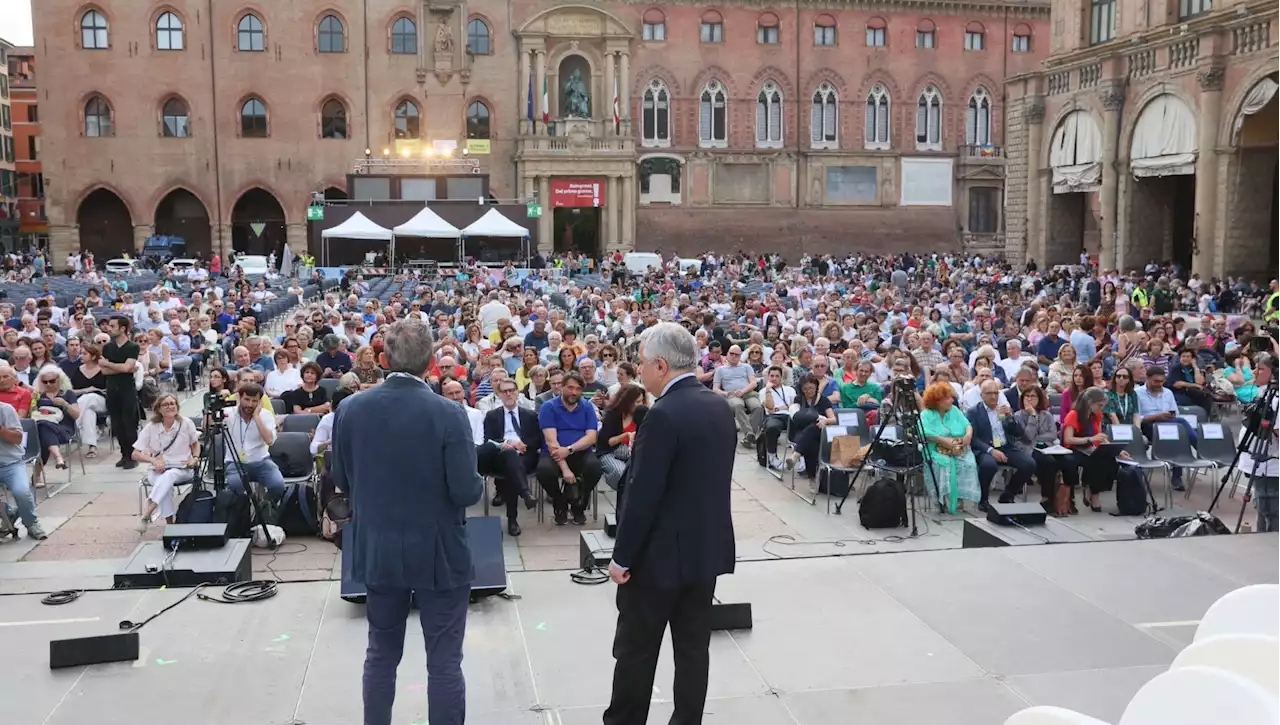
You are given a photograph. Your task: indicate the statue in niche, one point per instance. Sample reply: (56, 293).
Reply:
(444, 38)
(577, 101)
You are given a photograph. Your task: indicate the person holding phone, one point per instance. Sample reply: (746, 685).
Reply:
(995, 431)
(1082, 433)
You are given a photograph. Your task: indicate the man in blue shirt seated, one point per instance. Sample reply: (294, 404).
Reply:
(568, 451)
(1157, 406)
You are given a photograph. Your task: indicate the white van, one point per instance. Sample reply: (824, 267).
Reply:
(641, 262)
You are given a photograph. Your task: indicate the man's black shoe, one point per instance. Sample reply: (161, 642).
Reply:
(562, 517)
(529, 500)
(129, 465)
(1007, 499)
(579, 517)
(498, 500)
(983, 506)
(513, 528)
(120, 463)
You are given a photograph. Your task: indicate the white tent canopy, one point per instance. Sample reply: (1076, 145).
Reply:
(357, 226)
(494, 224)
(1076, 154)
(1164, 140)
(427, 223)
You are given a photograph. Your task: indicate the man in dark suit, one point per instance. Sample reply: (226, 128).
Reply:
(509, 451)
(994, 431)
(1022, 382)
(675, 532)
(405, 456)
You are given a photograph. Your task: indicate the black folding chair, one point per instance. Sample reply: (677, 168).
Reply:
(1171, 444)
(330, 386)
(278, 407)
(1200, 414)
(1136, 447)
(299, 423)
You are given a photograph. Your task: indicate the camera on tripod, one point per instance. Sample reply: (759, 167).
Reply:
(215, 403)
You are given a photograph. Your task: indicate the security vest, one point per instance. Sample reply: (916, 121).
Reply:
(1139, 297)
(1272, 308)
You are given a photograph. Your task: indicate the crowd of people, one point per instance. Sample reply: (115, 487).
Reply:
(544, 363)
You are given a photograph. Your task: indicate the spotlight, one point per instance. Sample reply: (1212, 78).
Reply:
(405, 153)
(466, 151)
(368, 152)
(427, 152)
(386, 152)
(446, 152)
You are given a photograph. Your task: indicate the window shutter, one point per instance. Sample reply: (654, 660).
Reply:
(775, 118)
(829, 119)
(663, 117)
(704, 118)
(871, 130)
(984, 124)
(719, 131)
(922, 121)
(648, 114)
(816, 122)
(762, 130)
(882, 120)
(934, 122)
(971, 124)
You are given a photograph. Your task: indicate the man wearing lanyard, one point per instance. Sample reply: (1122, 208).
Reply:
(253, 430)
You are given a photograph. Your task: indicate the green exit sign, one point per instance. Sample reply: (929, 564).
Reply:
(315, 213)
(535, 210)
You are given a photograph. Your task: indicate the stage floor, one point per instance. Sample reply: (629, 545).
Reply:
(954, 637)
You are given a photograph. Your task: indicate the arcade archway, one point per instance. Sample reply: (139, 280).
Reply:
(106, 227)
(1075, 157)
(1252, 220)
(181, 214)
(1162, 190)
(258, 224)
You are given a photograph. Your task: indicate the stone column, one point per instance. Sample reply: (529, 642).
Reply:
(62, 239)
(624, 94)
(628, 207)
(546, 244)
(524, 90)
(1035, 208)
(295, 235)
(1112, 100)
(609, 75)
(140, 234)
(539, 77)
(611, 203)
(1211, 79)
(222, 241)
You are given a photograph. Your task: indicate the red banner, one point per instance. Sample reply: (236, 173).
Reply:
(577, 192)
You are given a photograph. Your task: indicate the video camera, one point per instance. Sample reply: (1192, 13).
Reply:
(214, 403)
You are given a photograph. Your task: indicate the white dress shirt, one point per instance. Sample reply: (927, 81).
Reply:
(476, 418)
(244, 433)
(510, 432)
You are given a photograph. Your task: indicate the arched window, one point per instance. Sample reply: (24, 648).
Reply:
(406, 119)
(330, 38)
(926, 35)
(877, 33)
(93, 31)
(404, 37)
(175, 119)
(977, 119)
(477, 120)
(769, 116)
(97, 118)
(929, 120)
(656, 115)
(655, 25)
(1021, 42)
(333, 119)
(713, 121)
(478, 37)
(253, 119)
(767, 31)
(824, 30)
(168, 32)
(975, 36)
(826, 118)
(251, 36)
(712, 28)
(877, 121)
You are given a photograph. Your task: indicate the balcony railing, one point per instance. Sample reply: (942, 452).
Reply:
(979, 153)
(576, 136)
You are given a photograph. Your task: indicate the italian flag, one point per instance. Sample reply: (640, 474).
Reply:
(546, 102)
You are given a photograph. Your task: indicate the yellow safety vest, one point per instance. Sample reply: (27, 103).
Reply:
(1139, 297)
(1272, 308)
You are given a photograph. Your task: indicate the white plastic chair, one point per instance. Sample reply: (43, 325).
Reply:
(1200, 695)
(1253, 656)
(1249, 610)
(1045, 715)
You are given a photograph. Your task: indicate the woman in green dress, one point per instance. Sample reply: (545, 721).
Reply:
(948, 433)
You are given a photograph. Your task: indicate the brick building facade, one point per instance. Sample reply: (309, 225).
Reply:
(817, 125)
(8, 158)
(1150, 133)
(33, 223)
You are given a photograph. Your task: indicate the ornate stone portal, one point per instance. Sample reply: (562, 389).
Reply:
(574, 58)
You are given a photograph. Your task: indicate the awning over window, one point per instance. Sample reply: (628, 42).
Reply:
(1259, 96)
(1164, 140)
(1076, 154)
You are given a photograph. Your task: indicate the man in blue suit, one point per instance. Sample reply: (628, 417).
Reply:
(994, 432)
(404, 455)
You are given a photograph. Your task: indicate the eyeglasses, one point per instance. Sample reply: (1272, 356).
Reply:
(49, 381)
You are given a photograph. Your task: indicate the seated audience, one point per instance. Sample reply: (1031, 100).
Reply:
(994, 437)
(618, 432)
(813, 413)
(169, 445)
(252, 428)
(310, 397)
(1082, 432)
(509, 451)
(283, 378)
(569, 431)
(953, 474)
(1039, 430)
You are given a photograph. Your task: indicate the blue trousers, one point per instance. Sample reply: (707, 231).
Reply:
(443, 615)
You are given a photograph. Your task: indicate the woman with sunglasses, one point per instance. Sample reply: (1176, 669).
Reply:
(1122, 399)
(170, 446)
(607, 370)
(55, 413)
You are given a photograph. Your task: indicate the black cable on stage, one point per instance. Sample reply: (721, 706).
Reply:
(241, 592)
(590, 574)
(65, 596)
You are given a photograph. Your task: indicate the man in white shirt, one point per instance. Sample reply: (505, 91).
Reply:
(454, 391)
(1014, 359)
(491, 312)
(735, 381)
(252, 429)
(779, 402)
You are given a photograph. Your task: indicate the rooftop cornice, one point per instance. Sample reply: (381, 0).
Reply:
(1025, 9)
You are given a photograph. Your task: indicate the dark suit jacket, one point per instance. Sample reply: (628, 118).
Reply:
(405, 457)
(530, 433)
(981, 423)
(675, 527)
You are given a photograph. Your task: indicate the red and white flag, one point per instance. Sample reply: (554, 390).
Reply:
(546, 103)
(617, 118)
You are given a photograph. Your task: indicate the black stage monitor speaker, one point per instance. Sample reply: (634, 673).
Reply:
(484, 535)
(150, 565)
(594, 549)
(611, 525)
(194, 536)
(730, 616)
(1023, 514)
(121, 647)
